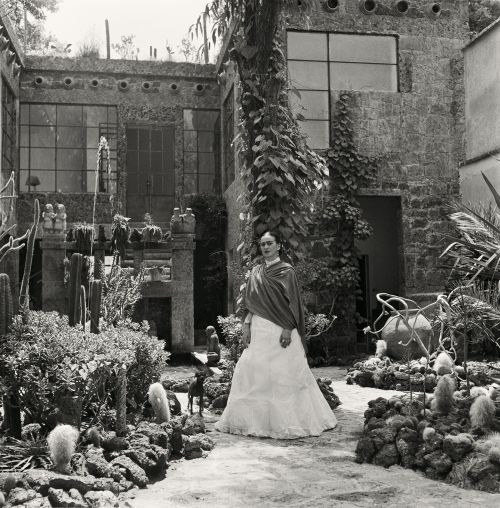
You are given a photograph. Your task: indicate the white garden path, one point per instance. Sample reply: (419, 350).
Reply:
(312, 472)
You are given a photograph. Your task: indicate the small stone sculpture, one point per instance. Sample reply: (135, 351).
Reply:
(183, 223)
(213, 346)
(48, 218)
(60, 219)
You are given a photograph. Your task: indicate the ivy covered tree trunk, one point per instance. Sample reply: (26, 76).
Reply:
(280, 172)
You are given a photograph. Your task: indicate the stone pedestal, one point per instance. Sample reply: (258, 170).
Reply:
(54, 294)
(182, 293)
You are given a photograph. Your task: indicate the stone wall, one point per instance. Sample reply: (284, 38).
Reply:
(417, 132)
(144, 92)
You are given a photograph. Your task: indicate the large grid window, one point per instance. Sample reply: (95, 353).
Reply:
(201, 151)
(320, 62)
(8, 129)
(150, 171)
(228, 133)
(58, 147)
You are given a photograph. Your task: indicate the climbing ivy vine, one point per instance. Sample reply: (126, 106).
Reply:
(339, 218)
(279, 172)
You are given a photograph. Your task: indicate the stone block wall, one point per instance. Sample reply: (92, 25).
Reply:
(417, 132)
(143, 91)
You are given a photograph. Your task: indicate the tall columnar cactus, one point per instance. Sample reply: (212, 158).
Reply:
(75, 277)
(24, 292)
(95, 305)
(6, 306)
(83, 306)
(121, 403)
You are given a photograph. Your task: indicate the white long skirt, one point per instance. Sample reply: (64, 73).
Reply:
(274, 393)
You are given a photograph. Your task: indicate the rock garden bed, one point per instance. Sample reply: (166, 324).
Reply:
(107, 466)
(451, 437)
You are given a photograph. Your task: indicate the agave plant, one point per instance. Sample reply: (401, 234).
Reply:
(476, 250)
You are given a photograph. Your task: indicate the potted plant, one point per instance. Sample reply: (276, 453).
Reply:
(83, 235)
(151, 233)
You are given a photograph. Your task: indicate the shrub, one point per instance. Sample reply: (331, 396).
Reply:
(231, 333)
(44, 359)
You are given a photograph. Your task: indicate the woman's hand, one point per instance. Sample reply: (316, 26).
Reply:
(286, 338)
(245, 339)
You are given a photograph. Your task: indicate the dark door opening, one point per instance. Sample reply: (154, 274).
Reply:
(158, 313)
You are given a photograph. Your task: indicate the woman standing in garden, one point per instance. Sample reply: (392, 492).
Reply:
(274, 393)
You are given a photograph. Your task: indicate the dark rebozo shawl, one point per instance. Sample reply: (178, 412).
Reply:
(273, 293)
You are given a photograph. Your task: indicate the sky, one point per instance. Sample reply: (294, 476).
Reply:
(153, 22)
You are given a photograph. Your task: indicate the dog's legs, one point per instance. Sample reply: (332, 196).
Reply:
(201, 404)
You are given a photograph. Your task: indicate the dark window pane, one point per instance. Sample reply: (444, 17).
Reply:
(206, 163)
(143, 139)
(24, 156)
(24, 113)
(189, 183)
(156, 162)
(363, 48)
(132, 161)
(206, 141)
(317, 133)
(111, 114)
(91, 159)
(42, 114)
(359, 76)
(190, 163)
(144, 162)
(69, 160)
(24, 138)
(306, 46)
(95, 115)
(308, 75)
(69, 137)
(69, 115)
(46, 179)
(156, 139)
(206, 183)
(132, 135)
(190, 141)
(43, 158)
(44, 137)
(92, 138)
(69, 181)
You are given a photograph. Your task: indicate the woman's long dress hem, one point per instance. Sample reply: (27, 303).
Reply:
(274, 393)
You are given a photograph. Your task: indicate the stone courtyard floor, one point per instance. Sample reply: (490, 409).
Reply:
(312, 472)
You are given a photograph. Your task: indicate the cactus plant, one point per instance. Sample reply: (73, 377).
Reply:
(121, 402)
(95, 305)
(83, 306)
(24, 292)
(75, 276)
(6, 306)
(62, 444)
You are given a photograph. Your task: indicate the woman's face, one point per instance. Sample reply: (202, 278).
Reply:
(269, 247)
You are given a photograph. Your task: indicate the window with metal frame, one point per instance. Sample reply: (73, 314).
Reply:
(58, 147)
(319, 62)
(201, 151)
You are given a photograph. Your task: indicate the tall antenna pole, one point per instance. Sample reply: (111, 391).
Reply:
(108, 46)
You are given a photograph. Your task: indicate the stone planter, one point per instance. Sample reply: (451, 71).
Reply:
(396, 333)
